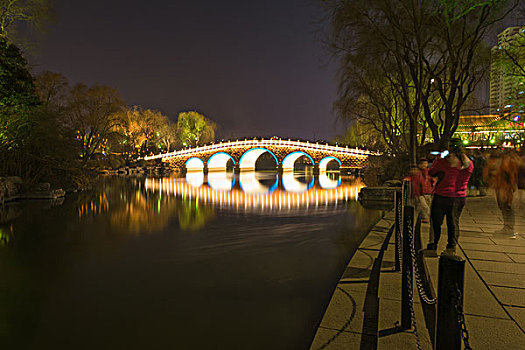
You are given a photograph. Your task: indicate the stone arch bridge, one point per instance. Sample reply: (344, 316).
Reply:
(244, 154)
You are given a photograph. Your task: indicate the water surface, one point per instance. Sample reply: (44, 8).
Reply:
(200, 262)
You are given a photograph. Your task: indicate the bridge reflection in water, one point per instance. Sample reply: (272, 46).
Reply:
(259, 191)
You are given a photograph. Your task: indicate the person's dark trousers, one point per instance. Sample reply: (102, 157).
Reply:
(459, 204)
(442, 206)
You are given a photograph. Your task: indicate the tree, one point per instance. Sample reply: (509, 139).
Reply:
(130, 130)
(370, 103)
(428, 53)
(194, 129)
(52, 90)
(33, 143)
(144, 131)
(362, 136)
(458, 58)
(92, 113)
(151, 122)
(17, 97)
(167, 134)
(35, 13)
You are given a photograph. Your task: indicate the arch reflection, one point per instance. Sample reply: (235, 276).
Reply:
(195, 179)
(254, 194)
(250, 183)
(291, 183)
(329, 180)
(221, 181)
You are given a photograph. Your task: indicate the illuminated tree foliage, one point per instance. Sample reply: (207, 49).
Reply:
(195, 129)
(414, 62)
(144, 131)
(17, 97)
(92, 113)
(33, 144)
(168, 136)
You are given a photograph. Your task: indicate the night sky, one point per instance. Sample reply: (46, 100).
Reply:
(256, 68)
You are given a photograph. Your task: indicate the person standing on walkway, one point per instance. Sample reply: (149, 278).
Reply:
(476, 179)
(502, 174)
(453, 173)
(422, 185)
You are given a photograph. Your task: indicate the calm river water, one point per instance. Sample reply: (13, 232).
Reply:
(216, 262)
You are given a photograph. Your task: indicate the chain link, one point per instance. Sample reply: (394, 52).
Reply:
(461, 318)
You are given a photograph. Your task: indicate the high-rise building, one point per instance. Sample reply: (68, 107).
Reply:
(506, 87)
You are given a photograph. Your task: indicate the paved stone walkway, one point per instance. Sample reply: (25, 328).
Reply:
(494, 285)
(494, 273)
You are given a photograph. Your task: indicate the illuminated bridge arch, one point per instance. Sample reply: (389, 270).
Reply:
(219, 161)
(194, 164)
(324, 162)
(248, 159)
(289, 160)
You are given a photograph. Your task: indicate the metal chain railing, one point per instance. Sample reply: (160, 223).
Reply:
(457, 297)
(398, 233)
(461, 318)
(410, 230)
(419, 279)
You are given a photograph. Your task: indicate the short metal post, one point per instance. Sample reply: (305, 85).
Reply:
(406, 274)
(451, 279)
(397, 233)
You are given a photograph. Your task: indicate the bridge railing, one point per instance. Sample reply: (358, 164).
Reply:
(269, 142)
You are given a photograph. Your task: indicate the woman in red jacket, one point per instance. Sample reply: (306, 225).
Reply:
(450, 192)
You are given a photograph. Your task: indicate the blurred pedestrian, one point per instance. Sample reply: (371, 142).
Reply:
(502, 173)
(476, 179)
(453, 172)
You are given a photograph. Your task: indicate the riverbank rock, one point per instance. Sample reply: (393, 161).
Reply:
(9, 188)
(385, 194)
(42, 191)
(393, 183)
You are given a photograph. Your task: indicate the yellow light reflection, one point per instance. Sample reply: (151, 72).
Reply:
(257, 195)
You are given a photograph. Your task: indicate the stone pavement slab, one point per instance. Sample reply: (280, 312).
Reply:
(510, 295)
(518, 313)
(497, 266)
(502, 279)
(491, 256)
(491, 334)
(519, 258)
(491, 248)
